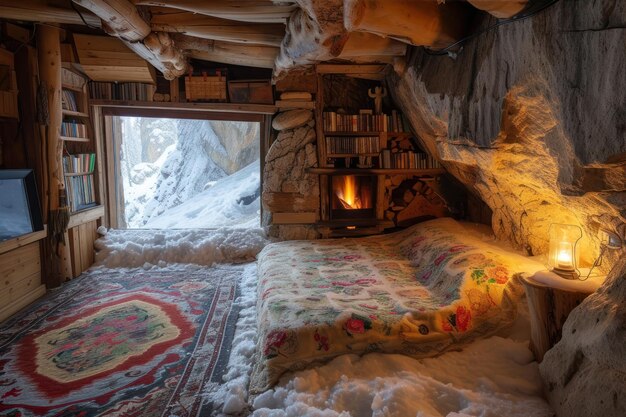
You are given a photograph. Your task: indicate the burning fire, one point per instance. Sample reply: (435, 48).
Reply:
(351, 193)
(346, 192)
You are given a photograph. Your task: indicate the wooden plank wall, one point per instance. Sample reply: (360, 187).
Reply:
(81, 239)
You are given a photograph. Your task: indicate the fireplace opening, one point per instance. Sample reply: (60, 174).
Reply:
(353, 197)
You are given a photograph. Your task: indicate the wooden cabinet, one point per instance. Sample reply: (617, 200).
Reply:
(20, 272)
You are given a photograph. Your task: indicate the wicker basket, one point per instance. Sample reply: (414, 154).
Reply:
(205, 87)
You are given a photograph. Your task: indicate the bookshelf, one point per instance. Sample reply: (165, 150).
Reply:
(123, 91)
(74, 127)
(79, 151)
(362, 143)
(81, 165)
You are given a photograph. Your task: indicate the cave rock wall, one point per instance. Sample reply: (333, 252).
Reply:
(531, 116)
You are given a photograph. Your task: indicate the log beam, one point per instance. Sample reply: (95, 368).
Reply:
(49, 60)
(209, 27)
(260, 56)
(423, 23)
(40, 11)
(121, 19)
(255, 11)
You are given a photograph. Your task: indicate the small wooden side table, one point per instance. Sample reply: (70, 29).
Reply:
(550, 300)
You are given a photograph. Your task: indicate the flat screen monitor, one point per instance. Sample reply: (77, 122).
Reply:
(20, 212)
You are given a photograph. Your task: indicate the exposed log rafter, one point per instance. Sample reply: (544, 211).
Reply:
(209, 27)
(255, 11)
(40, 11)
(122, 19)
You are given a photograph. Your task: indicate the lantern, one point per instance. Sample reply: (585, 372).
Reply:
(562, 256)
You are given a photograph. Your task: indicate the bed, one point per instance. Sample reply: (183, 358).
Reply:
(430, 288)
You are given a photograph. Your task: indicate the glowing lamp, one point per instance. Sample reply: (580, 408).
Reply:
(562, 256)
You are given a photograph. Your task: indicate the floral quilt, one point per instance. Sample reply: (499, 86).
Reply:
(419, 292)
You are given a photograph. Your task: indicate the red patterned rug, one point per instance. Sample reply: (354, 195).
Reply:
(120, 344)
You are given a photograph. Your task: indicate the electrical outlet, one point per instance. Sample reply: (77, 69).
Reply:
(609, 239)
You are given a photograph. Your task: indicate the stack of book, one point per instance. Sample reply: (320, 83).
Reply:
(121, 91)
(365, 121)
(73, 129)
(79, 180)
(360, 145)
(82, 163)
(68, 100)
(81, 192)
(407, 160)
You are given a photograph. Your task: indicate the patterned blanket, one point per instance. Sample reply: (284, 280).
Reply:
(419, 292)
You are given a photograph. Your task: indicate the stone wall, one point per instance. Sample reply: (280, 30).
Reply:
(531, 117)
(287, 188)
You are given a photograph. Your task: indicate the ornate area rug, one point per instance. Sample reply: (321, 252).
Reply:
(120, 344)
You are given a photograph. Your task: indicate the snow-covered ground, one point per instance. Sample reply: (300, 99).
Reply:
(230, 201)
(167, 163)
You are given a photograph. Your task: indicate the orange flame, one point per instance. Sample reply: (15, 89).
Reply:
(349, 193)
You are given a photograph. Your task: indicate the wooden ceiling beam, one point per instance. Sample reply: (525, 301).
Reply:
(260, 56)
(122, 19)
(209, 27)
(255, 11)
(40, 11)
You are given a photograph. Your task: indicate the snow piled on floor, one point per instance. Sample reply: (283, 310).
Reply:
(231, 396)
(492, 377)
(150, 248)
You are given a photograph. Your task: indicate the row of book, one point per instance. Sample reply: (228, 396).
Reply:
(81, 191)
(68, 100)
(407, 160)
(365, 121)
(121, 91)
(73, 129)
(82, 163)
(352, 145)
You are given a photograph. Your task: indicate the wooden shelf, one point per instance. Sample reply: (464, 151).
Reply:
(72, 87)
(78, 174)
(74, 113)
(293, 104)
(217, 107)
(377, 171)
(74, 139)
(339, 133)
(350, 155)
(85, 216)
(19, 241)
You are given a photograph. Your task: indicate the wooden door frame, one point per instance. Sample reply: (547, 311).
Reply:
(104, 136)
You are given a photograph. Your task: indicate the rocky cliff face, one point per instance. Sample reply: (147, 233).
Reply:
(532, 117)
(585, 373)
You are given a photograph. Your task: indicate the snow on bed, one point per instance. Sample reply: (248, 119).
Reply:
(492, 377)
(147, 248)
(230, 201)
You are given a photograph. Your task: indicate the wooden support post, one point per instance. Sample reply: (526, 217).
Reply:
(49, 56)
(549, 307)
